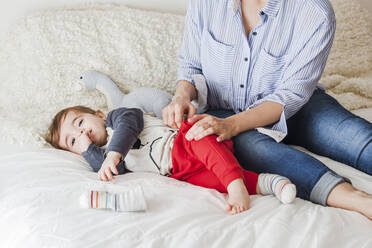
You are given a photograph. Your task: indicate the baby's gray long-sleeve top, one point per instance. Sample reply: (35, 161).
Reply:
(127, 124)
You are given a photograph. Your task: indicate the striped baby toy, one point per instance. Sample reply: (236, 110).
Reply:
(127, 201)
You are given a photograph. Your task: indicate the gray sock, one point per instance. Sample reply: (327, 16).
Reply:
(281, 187)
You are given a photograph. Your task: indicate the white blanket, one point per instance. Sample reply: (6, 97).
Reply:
(39, 207)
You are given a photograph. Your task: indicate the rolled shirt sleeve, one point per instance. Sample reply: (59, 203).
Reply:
(189, 53)
(127, 124)
(95, 156)
(300, 78)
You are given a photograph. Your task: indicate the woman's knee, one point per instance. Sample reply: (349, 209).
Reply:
(251, 140)
(364, 160)
(355, 143)
(251, 147)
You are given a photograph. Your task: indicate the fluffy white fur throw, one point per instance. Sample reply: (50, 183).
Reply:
(43, 55)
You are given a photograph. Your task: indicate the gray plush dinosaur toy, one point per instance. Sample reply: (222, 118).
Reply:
(147, 99)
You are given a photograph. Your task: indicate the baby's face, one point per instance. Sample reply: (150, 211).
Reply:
(76, 124)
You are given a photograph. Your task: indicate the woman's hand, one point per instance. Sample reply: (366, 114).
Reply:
(173, 113)
(207, 125)
(109, 166)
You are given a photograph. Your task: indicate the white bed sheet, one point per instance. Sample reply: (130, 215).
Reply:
(39, 207)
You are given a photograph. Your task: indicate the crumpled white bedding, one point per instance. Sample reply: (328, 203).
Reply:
(39, 206)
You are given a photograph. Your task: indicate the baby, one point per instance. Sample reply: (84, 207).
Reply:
(129, 140)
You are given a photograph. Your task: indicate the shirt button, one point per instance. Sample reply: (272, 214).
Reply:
(262, 13)
(254, 33)
(241, 86)
(245, 59)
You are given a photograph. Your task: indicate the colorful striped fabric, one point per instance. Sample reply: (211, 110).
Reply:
(281, 59)
(128, 200)
(100, 199)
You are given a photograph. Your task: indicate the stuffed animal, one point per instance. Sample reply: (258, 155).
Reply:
(147, 99)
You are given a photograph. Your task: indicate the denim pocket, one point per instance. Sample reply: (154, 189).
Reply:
(216, 59)
(268, 73)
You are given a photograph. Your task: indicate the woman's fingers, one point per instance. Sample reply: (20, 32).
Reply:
(164, 115)
(167, 115)
(193, 131)
(204, 133)
(171, 122)
(191, 112)
(222, 137)
(203, 123)
(196, 118)
(173, 113)
(180, 110)
(178, 115)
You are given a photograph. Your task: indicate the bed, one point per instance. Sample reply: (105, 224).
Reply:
(40, 62)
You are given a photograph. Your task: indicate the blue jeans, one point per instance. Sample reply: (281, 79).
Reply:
(323, 127)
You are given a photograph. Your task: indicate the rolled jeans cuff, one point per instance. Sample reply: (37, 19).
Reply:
(323, 187)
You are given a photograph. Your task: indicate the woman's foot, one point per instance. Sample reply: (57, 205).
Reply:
(345, 196)
(238, 200)
(366, 204)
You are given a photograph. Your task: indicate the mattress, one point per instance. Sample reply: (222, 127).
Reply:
(39, 205)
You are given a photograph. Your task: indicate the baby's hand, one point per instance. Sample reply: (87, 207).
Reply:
(109, 166)
(81, 143)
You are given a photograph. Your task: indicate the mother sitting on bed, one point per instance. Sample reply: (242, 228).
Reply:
(262, 60)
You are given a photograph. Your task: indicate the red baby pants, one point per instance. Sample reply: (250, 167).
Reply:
(208, 163)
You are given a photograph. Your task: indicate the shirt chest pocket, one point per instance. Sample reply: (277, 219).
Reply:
(216, 59)
(268, 72)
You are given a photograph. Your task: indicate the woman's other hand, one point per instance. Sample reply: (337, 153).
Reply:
(207, 125)
(173, 113)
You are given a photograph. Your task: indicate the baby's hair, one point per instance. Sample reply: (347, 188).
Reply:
(55, 126)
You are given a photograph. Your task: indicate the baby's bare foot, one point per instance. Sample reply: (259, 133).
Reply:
(238, 200)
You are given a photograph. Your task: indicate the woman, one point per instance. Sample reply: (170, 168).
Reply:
(262, 60)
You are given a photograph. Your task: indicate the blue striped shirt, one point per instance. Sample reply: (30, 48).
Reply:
(281, 59)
